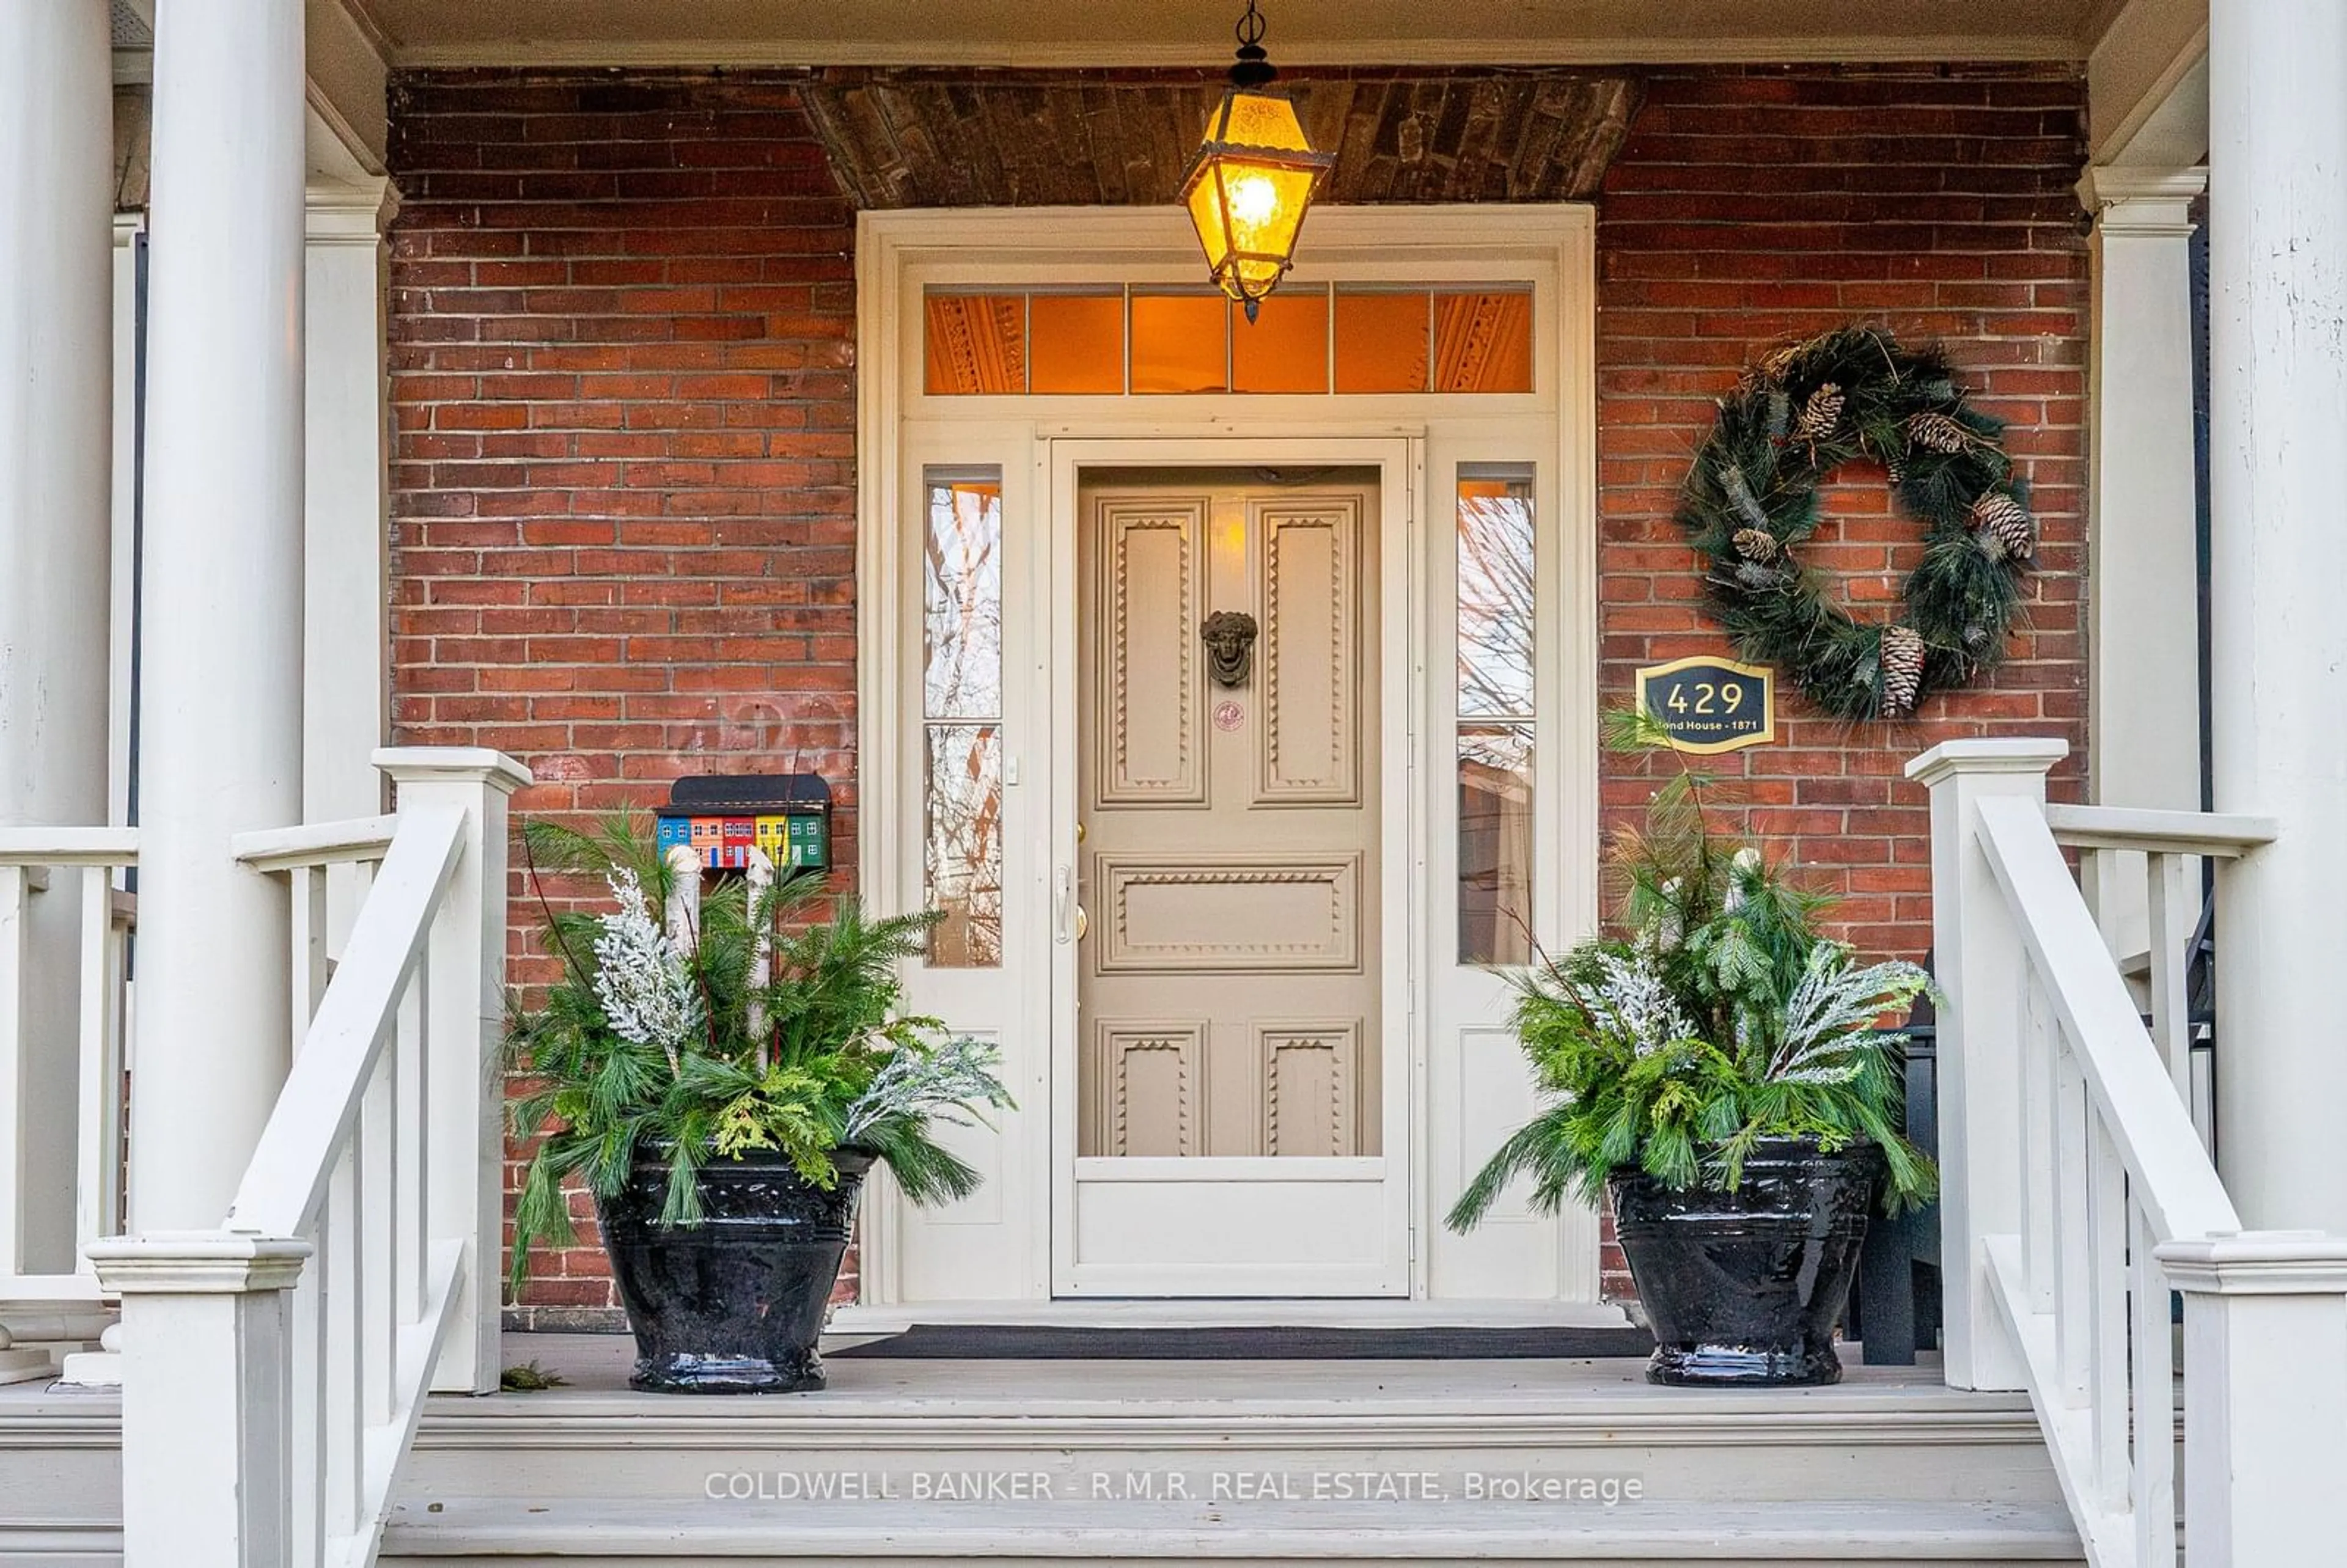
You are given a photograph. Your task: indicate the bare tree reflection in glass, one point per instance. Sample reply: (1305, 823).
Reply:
(1497, 612)
(962, 699)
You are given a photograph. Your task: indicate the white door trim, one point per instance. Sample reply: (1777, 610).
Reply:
(899, 253)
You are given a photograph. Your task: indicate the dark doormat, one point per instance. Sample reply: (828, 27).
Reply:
(1031, 1342)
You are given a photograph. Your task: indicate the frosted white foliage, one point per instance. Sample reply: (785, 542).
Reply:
(1632, 1003)
(1831, 1011)
(640, 978)
(941, 1083)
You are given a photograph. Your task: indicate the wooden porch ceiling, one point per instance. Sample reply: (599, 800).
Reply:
(426, 33)
(1000, 139)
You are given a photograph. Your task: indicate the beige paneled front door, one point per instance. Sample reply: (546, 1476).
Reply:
(1230, 1050)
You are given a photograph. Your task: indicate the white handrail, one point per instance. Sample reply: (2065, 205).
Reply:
(111, 846)
(2160, 832)
(2078, 1194)
(355, 1252)
(315, 844)
(2178, 1185)
(286, 1179)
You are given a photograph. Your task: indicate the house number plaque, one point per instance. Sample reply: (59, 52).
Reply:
(1711, 704)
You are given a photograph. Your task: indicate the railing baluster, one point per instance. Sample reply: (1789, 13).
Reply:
(98, 1114)
(2151, 1349)
(2073, 1227)
(412, 1132)
(378, 1236)
(306, 1337)
(14, 885)
(2036, 1152)
(342, 1283)
(2105, 1305)
(122, 999)
(2174, 893)
(309, 969)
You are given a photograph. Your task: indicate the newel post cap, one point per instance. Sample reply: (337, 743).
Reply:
(456, 764)
(2017, 755)
(2258, 1263)
(197, 1263)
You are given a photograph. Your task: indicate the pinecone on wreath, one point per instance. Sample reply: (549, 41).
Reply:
(2002, 525)
(1819, 415)
(1755, 544)
(1937, 433)
(1902, 671)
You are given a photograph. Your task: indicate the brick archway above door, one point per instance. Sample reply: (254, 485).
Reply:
(932, 137)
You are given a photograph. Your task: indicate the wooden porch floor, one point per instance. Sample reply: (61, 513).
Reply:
(596, 1366)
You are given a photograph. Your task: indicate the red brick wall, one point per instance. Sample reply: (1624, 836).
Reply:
(1750, 207)
(622, 325)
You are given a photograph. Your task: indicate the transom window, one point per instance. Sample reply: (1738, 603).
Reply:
(1112, 340)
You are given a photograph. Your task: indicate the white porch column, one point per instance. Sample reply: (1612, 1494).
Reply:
(1978, 958)
(2277, 174)
(345, 641)
(221, 744)
(57, 240)
(2143, 713)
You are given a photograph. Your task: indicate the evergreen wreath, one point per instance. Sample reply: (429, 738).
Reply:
(1751, 501)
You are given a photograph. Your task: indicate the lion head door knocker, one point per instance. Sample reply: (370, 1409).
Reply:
(1229, 636)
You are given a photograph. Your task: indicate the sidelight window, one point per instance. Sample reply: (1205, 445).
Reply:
(961, 708)
(1497, 613)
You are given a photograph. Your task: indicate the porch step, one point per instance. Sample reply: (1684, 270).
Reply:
(1007, 1462)
(1884, 1434)
(502, 1534)
(1222, 1462)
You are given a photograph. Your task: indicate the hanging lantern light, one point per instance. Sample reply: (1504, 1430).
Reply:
(1249, 186)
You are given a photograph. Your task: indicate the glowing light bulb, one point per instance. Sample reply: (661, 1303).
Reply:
(1255, 200)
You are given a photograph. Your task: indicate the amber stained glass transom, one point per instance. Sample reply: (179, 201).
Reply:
(1308, 340)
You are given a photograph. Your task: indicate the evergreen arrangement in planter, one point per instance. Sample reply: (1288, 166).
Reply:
(1715, 1066)
(720, 1084)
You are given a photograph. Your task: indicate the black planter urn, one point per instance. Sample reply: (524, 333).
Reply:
(735, 1304)
(1743, 1289)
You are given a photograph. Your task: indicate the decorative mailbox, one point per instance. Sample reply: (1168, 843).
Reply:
(719, 816)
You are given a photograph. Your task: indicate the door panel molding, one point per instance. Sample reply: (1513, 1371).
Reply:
(1311, 1081)
(1174, 1053)
(1145, 723)
(1308, 745)
(1277, 912)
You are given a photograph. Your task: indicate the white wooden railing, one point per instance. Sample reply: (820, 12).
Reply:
(2078, 1195)
(2167, 849)
(65, 934)
(275, 1367)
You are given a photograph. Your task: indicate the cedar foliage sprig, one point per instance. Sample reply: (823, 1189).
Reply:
(1719, 1019)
